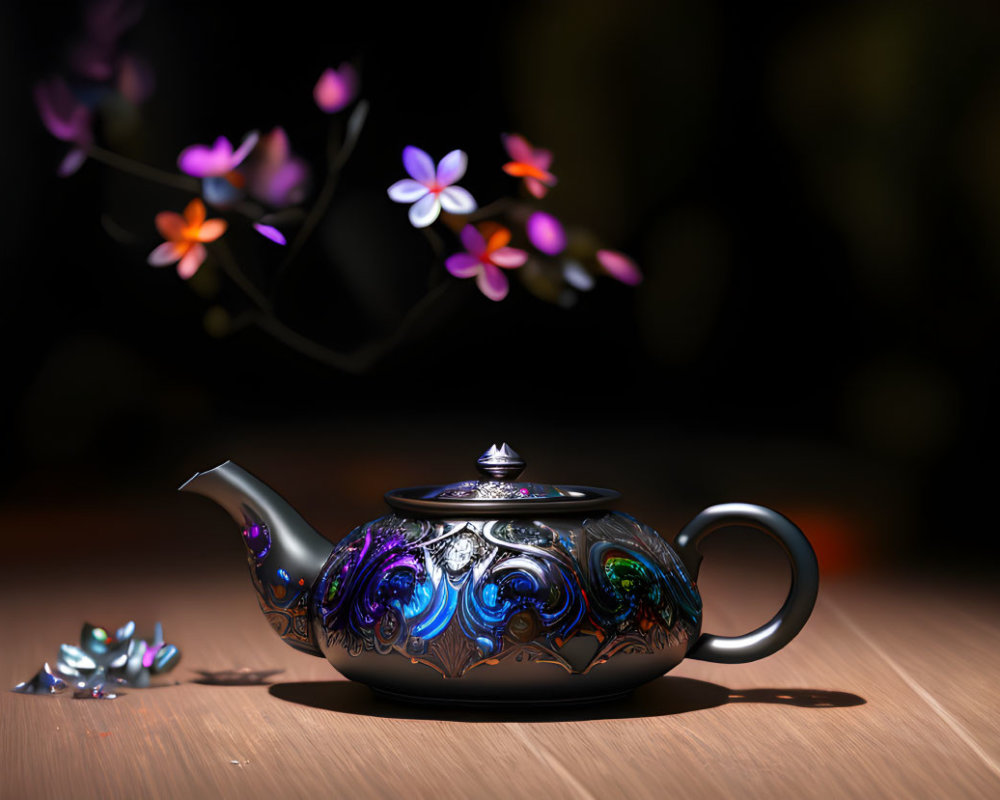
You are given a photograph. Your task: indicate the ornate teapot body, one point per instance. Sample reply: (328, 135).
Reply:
(496, 590)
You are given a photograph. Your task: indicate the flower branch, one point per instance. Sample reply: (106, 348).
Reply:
(337, 156)
(261, 180)
(143, 171)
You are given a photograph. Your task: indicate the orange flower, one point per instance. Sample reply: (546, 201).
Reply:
(530, 163)
(184, 235)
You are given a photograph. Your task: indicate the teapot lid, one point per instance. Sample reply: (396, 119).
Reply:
(497, 490)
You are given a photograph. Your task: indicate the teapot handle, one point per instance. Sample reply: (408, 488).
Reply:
(784, 626)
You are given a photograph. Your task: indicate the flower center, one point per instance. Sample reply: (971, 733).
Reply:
(435, 188)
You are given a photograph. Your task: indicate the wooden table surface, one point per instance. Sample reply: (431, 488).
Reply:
(891, 691)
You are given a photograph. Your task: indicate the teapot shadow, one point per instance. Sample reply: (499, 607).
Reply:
(665, 696)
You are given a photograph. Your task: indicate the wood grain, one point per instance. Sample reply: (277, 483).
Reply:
(829, 716)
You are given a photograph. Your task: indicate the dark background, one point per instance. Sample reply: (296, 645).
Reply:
(812, 194)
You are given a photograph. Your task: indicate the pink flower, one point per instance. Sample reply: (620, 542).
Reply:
(184, 235)
(336, 88)
(620, 266)
(546, 233)
(529, 163)
(431, 190)
(273, 175)
(483, 256)
(67, 119)
(217, 160)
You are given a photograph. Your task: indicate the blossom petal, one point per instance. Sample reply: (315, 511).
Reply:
(72, 161)
(472, 240)
(508, 257)
(272, 174)
(171, 225)
(167, 253)
(456, 200)
(336, 88)
(546, 233)
(62, 114)
(201, 161)
(136, 78)
(407, 191)
(542, 158)
(288, 184)
(418, 164)
(274, 147)
(577, 277)
(492, 282)
(211, 230)
(194, 213)
(425, 211)
(249, 143)
(497, 236)
(620, 266)
(535, 187)
(521, 169)
(452, 168)
(517, 147)
(270, 232)
(192, 260)
(463, 265)
(93, 59)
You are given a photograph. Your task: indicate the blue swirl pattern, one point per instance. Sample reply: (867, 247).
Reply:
(500, 586)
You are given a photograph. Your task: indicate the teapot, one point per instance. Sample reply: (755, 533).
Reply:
(496, 590)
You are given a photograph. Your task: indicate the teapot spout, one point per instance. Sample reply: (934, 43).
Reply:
(284, 552)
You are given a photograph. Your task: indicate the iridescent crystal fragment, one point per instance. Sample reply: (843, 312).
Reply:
(44, 682)
(122, 658)
(94, 693)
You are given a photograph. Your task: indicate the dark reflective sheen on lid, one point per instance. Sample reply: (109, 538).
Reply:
(498, 490)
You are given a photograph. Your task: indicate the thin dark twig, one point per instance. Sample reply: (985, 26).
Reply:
(337, 156)
(308, 347)
(232, 269)
(116, 231)
(140, 170)
(364, 357)
(264, 318)
(491, 209)
(248, 209)
(435, 241)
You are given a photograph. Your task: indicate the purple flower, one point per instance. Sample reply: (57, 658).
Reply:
(431, 190)
(483, 256)
(336, 88)
(620, 266)
(217, 160)
(273, 175)
(546, 233)
(67, 119)
(94, 56)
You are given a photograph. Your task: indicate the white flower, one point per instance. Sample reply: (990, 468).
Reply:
(431, 189)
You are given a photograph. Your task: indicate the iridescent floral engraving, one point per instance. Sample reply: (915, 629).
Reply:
(458, 595)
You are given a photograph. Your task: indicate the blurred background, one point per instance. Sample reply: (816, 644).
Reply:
(813, 196)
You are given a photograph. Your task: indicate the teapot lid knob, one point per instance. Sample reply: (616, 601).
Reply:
(500, 463)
